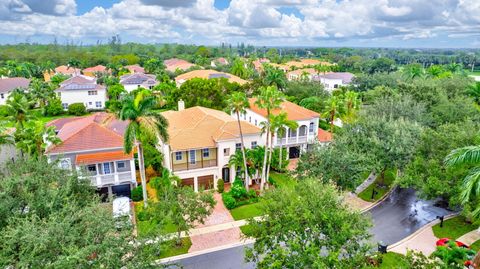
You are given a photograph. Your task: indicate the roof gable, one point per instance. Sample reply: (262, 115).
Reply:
(294, 111)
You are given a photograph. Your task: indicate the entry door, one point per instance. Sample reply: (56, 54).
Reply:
(294, 152)
(226, 174)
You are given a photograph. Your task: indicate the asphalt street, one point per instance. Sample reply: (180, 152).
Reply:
(400, 215)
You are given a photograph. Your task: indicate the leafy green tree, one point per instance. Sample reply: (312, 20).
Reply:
(334, 108)
(74, 63)
(34, 138)
(115, 92)
(297, 91)
(269, 99)
(279, 123)
(144, 123)
(314, 228)
(238, 69)
(18, 109)
(474, 92)
(153, 66)
(57, 221)
(54, 107)
(237, 103)
(41, 92)
(274, 77)
(413, 71)
(77, 109)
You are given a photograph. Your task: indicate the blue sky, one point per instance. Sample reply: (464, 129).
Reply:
(356, 23)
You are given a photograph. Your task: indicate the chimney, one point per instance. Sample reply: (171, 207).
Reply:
(181, 105)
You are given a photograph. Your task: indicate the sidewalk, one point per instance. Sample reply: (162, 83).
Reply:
(424, 242)
(470, 237)
(355, 202)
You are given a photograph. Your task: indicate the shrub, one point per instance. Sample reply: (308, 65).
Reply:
(137, 194)
(77, 109)
(220, 185)
(3, 111)
(143, 215)
(238, 191)
(228, 200)
(252, 194)
(54, 107)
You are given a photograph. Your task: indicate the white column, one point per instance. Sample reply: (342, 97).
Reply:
(115, 174)
(133, 172)
(195, 184)
(296, 131)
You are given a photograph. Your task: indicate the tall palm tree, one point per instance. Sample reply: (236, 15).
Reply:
(474, 91)
(255, 158)
(279, 124)
(41, 92)
(237, 103)
(352, 102)
(269, 99)
(144, 125)
(35, 137)
(18, 109)
(322, 68)
(74, 63)
(275, 77)
(413, 71)
(333, 110)
(471, 183)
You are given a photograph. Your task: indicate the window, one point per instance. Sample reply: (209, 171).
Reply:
(65, 105)
(238, 146)
(178, 156)
(310, 128)
(206, 153)
(255, 122)
(226, 152)
(121, 165)
(59, 94)
(249, 119)
(335, 86)
(2, 96)
(92, 169)
(192, 156)
(92, 92)
(90, 103)
(106, 168)
(65, 163)
(98, 104)
(254, 144)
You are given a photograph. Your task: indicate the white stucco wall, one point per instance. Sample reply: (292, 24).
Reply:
(81, 96)
(4, 97)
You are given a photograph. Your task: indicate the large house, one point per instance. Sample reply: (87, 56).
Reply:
(134, 81)
(61, 70)
(201, 143)
(301, 74)
(173, 64)
(82, 89)
(95, 70)
(334, 80)
(94, 146)
(7, 85)
(207, 74)
(295, 141)
(135, 68)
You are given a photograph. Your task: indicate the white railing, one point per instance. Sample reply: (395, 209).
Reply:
(125, 176)
(302, 139)
(292, 139)
(282, 141)
(100, 180)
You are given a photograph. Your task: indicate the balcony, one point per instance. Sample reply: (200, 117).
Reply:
(115, 178)
(194, 165)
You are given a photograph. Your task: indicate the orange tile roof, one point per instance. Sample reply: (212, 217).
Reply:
(294, 111)
(206, 74)
(299, 72)
(200, 127)
(324, 136)
(98, 68)
(102, 157)
(174, 64)
(63, 69)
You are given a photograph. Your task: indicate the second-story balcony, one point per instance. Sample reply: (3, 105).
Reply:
(194, 159)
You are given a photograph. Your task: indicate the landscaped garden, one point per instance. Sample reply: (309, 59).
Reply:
(381, 186)
(453, 228)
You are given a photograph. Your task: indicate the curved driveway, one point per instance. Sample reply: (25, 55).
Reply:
(400, 215)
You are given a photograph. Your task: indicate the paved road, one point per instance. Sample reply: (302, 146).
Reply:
(394, 219)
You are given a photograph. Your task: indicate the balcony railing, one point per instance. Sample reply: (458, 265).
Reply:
(194, 165)
(100, 180)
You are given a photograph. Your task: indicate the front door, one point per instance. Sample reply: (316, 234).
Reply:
(226, 174)
(294, 152)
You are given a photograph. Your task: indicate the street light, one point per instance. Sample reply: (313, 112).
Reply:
(441, 220)
(373, 192)
(382, 248)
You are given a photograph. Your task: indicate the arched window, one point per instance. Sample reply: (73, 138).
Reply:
(303, 130)
(311, 127)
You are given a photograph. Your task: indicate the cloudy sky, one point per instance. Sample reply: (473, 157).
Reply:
(377, 23)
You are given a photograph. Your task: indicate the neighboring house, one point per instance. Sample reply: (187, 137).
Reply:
(334, 80)
(219, 62)
(135, 68)
(301, 74)
(93, 145)
(137, 80)
(207, 74)
(173, 64)
(295, 141)
(82, 89)
(7, 85)
(302, 63)
(258, 64)
(201, 141)
(61, 70)
(94, 71)
(324, 137)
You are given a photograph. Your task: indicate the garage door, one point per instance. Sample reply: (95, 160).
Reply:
(121, 190)
(188, 182)
(205, 182)
(103, 193)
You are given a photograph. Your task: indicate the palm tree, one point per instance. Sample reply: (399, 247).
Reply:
(73, 63)
(144, 124)
(333, 110)
(255, 159)
(275, 77)
(413, 71)
(352, 102)
(237, 103)
(238, 69)
(471, 183)
(35, 138)
(41, 92)
(435, 71)
(474, 91)
(279, 124)
(269, 99)
(322, 68)
(18, 109)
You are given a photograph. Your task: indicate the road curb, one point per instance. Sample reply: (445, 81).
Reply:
(417, 232)
(205, 251)
(383, 198)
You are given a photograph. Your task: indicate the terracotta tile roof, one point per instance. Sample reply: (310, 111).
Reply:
(324, 136)
(95, 132)
(91, 158)
(8, 84)
(63, 69)
(174, 64)
(200, 127)
(135, 68)
(208, 74)
(300, 64)
(98, 68)
(299, 72)
(294, 111)
(258, 64)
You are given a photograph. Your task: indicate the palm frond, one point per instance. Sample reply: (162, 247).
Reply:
(129, 136)
(471, 185)
(465, 155)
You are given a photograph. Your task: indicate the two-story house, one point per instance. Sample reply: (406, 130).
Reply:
(7, 85)
(134, 81)
(334, 80)
(201, 143)
(93, 145)
(295, 141)
(82, 89)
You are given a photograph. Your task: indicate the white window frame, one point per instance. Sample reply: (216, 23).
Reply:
(238, 146)
(178, 156)
(92, 92)
(206, 153)
(253, 144)
(124, 163)
(98, 104)
(65, 163)
(110, 170)
(193, 158)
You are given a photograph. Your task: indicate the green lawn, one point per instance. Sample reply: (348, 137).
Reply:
(246, 211)
(150, 228)
(246, 230)
(476, 245)
(169, 248)
(392, 260)
(366, 194)
(453, 228)
(283, 180)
